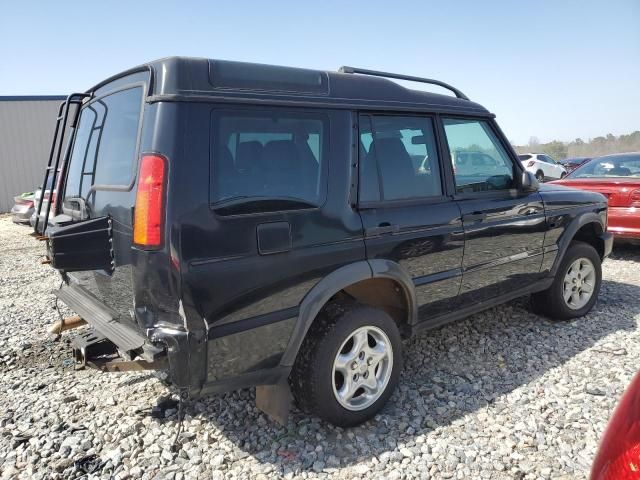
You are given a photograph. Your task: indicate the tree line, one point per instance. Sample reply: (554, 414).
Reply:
(594, 147)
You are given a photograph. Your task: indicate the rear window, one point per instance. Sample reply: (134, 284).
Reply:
(612, 166)
(266, 160)
(104, 149)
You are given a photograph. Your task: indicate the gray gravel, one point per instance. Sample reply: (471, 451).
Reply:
(503, 394)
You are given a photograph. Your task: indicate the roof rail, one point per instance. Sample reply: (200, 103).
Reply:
(376, 73)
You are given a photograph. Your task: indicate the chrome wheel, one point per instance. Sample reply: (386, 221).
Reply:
(579, 283)
(362, 368)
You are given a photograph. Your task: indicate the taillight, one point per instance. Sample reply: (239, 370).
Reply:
(24, 201)
(531, 163)
(149, 208)
(618, 456)
(634, 198)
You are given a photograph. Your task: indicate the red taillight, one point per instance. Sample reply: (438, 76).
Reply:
(149, 208)
(24, 201)
(634, 198)
(618, 456)
(531, 163)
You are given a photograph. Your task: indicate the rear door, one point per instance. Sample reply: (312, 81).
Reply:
(504, 227)
(100, 178)
(407, 216)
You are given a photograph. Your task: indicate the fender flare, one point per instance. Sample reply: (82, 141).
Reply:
(326, 288)
(570, 232)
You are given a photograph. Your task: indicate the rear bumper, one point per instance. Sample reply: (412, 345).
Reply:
(21, 213)
(624, 222)
(128, 340)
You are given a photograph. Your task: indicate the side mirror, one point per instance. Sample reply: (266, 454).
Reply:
(529, 182)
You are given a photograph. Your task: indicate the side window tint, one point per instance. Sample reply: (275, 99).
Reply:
(267, 160)
(480, 163)
(398, 158)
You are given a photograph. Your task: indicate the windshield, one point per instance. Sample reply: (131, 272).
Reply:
(610, 166)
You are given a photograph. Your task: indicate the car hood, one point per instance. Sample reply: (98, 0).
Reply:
(557, 196)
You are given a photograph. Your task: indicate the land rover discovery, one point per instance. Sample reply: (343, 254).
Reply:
(251, 225)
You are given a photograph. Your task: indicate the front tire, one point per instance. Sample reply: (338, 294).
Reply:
(348, 365)
(575, 289)
(540, 176)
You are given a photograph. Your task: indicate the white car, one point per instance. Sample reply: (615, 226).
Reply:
(542, 166)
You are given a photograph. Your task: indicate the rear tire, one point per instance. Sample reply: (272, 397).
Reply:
(365, 344)
(563, 174)
(575, 289)
(540, 176)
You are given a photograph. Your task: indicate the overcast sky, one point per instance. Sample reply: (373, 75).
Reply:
(551, 69)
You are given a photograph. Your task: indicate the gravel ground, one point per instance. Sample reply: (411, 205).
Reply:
(503, 394)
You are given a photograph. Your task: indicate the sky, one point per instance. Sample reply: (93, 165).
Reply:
(551, 69)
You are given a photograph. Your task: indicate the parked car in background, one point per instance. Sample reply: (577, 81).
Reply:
(542, 166)
(23, 207)
(45, 202)
(618, 455)
(570, 164)
(617, 177)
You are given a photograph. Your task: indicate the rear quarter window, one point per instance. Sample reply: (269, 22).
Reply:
(267, 160)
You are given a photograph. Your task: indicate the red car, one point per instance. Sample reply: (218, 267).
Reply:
(618, 456)
(617, 177)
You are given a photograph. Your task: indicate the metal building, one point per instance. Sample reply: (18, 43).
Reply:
(26, 130)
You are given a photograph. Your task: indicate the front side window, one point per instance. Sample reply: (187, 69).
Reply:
(267, 160)
(398, 158)
(104, 149)
(480, 163)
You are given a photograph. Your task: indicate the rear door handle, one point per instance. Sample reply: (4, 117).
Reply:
(382, 229)
(474, 217)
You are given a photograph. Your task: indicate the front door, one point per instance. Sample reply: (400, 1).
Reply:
(407, 217)
(504, 226)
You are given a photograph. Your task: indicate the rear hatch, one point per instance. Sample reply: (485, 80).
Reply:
(95, 231)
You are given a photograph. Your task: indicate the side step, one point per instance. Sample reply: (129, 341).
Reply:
(125, 337)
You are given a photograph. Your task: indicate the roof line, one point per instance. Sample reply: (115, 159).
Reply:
(17, 98)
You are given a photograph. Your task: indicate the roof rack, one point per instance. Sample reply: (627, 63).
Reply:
(376, 73)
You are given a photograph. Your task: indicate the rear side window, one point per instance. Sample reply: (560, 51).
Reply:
(267, 160)
(398, 158)
(104, 149)
(480, 162)
(524, 157)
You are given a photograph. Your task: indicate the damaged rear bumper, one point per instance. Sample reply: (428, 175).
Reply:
(108, 336)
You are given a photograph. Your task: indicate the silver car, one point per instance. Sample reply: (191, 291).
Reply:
(23, 207)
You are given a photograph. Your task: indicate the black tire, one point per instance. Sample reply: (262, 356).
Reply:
(540, 176)
(551, 302)
(563, 174)
(312, 377)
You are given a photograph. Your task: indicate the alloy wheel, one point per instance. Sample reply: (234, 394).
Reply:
(362, 368)
(579, 283)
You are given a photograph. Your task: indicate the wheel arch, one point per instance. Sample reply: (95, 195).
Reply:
(340, 280)
(587, 228)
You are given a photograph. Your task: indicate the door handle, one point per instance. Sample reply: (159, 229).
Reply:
(474, 217)
(382, 229)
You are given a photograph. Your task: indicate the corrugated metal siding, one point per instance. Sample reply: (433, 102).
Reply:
(26, 130)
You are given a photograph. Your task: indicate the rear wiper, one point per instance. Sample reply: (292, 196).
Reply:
(249, 204)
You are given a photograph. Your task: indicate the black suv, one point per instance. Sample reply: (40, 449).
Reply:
(251, 225)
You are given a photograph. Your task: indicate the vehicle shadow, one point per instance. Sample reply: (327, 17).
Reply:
(448, 373)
